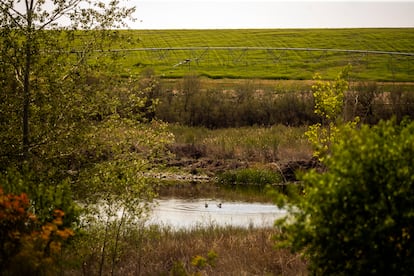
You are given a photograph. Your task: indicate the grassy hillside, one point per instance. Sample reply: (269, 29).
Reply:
(270, 63)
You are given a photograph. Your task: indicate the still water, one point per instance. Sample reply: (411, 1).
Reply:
(188, 213)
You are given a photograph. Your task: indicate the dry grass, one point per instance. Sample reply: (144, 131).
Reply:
(254, 144)
(227, 251)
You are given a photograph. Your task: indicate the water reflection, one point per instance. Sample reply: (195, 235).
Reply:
(186, 213)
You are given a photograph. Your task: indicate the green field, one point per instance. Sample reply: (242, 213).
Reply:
(269, 53)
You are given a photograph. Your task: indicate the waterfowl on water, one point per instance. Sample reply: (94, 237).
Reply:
(206, 204)
(219, 205)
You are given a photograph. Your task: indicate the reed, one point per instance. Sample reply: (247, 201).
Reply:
(205, 251)
(253, 144)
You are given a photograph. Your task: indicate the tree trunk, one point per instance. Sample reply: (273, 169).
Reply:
(26, 102)
(26, 80)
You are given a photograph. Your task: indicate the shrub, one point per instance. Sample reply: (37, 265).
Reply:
(357, 217)
(26, 245)
(249, 177)
(329, 105)
(202, 263)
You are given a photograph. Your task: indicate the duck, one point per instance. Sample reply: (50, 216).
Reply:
(206, 205)
(219, 205)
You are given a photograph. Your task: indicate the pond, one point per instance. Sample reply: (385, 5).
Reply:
(188, 213)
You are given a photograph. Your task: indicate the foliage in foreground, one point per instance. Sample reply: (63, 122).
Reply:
(26, 244)
(71, 134)
(357, 217)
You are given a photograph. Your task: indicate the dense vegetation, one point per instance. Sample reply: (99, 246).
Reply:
(195, 102)
(70, 135)
(357, 216)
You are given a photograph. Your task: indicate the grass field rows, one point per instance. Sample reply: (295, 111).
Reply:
(270, 53)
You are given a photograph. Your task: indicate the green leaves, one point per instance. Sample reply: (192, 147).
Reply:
(329, 103)
(249, 177)
(329, 97)
(356, 217)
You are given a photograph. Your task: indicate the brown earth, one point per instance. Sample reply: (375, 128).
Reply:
(205, 169)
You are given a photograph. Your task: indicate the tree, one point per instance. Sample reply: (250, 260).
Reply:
(79, 133)
(35, 47)
(329, 104)
(356, 218)
(63, 120)
(49, 88)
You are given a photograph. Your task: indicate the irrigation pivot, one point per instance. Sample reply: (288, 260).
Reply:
(269, 62)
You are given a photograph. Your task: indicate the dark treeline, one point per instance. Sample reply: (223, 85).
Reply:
(250, 104)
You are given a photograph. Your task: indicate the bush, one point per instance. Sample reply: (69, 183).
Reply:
(26, 245)
(249, 177)
(357, 217)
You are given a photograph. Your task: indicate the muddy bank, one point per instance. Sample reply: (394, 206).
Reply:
(205, 169)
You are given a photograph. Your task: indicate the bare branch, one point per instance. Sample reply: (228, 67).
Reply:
(8, 10)
(60, 11)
